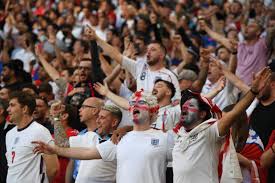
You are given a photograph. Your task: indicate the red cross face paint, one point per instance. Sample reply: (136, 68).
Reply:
(190, 112)
(139, 110)
(143, 107)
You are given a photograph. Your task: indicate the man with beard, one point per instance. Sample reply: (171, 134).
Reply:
(89, 71)
(146, 73)
(201, 135)
(168, 114)
(150, 149)
(261, 119)
(41, 113)
(252, 53)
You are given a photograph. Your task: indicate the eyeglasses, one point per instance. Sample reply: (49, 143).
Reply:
(140, 102)
(87, 106)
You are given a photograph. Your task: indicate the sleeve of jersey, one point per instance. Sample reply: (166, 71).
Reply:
(45, 136)
(107, 150)
(130, 65)
(213, 132)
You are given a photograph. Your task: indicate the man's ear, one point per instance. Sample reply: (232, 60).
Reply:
(25, 109)
(168, 92)
(115, 123)
(65, 116)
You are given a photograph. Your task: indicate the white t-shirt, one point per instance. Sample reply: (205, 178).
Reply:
(196, 157)
(141, 156)
(24, 165)
(168, 117)
(228, 96)
(93, 171)
(146, 78)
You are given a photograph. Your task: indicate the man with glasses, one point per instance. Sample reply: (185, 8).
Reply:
(100, 121)
(142, 154)
(83, 89)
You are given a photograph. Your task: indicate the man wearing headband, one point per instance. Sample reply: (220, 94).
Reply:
(201, 133)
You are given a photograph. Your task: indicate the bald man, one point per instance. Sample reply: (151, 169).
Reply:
(88, 114)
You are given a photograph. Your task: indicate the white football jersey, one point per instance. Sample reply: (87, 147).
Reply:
(23, 165)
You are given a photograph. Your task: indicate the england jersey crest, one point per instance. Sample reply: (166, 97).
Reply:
(154, 142)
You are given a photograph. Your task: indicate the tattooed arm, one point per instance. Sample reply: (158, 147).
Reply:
(60, 135)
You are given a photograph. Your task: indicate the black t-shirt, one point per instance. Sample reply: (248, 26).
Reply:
(263, 122)
(3, 161)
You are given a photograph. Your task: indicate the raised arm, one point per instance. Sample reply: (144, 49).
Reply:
(97, 74)
(60, 135)
(105, 66)
(215, 91)
(258, 84)
(104, 91)
(113, 80)
(204, 66)
(216, 36)
(232, 65)
(107, 48)
(75, 153)
(53, 73)
(233, 78)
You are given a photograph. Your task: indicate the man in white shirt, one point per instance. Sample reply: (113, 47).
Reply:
(228, 95)
(146, 73)
(97, 171)
(168, 115)
(200, 136)
(88, 114)
(24, 166)
(23, 52)
(141, 155)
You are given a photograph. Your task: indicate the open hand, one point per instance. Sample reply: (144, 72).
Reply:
(102, 90)
(221, 84)
(42, 147)
(260, 79)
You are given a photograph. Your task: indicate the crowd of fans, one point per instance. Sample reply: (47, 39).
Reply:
(106, 91)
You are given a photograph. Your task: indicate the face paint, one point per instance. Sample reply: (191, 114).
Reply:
(139, 110)
(190, 110)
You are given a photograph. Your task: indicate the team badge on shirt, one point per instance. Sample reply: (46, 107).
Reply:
(154, 142)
